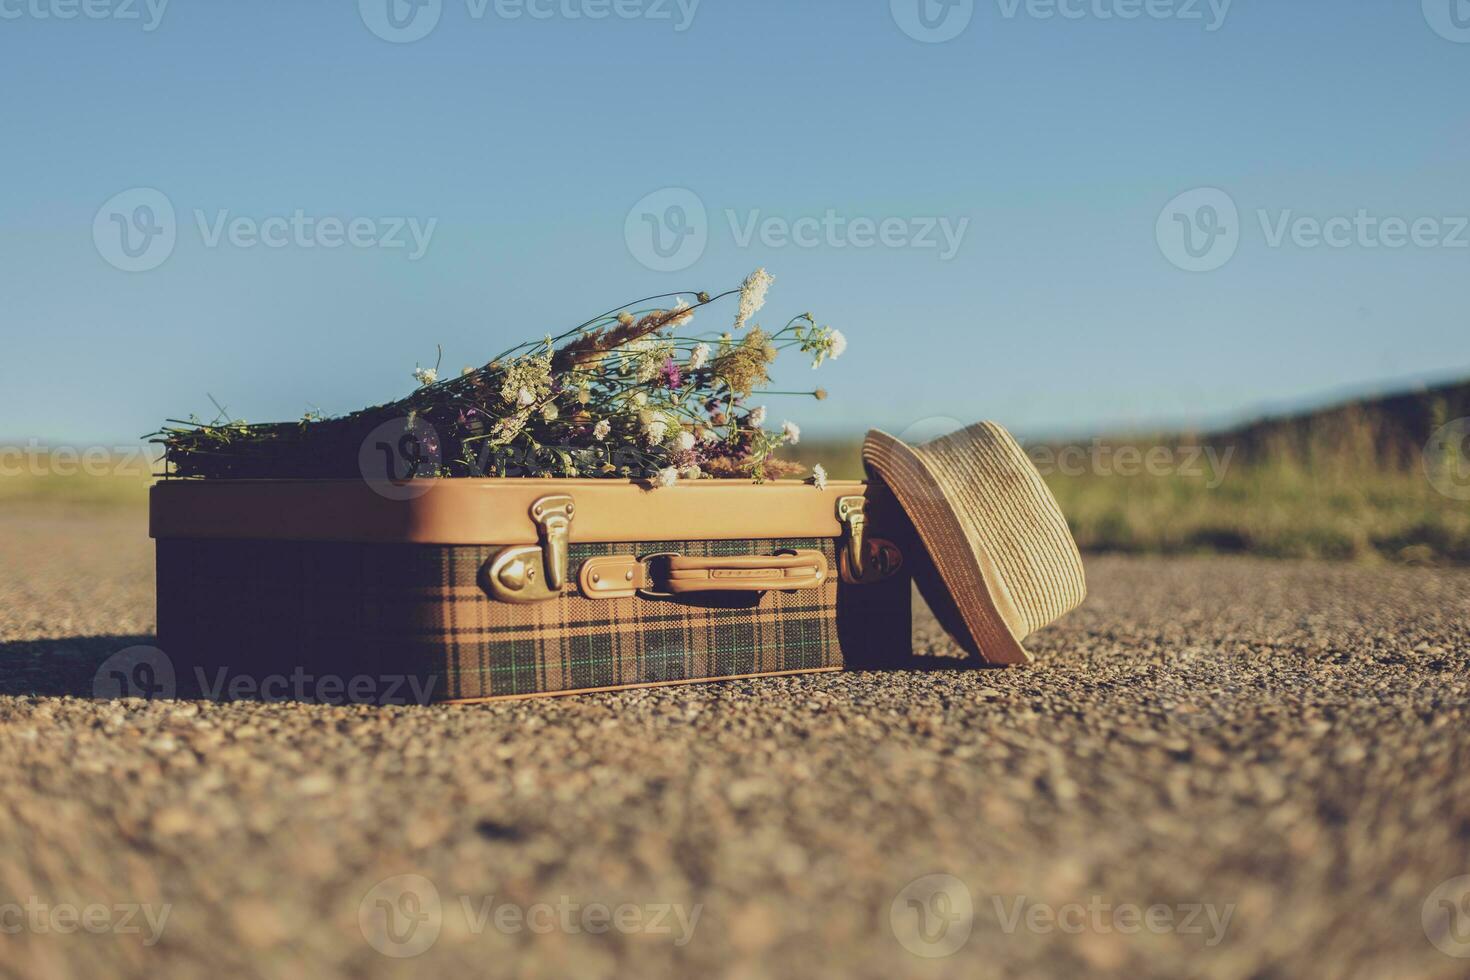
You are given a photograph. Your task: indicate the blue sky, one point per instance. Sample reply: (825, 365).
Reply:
(527, 151)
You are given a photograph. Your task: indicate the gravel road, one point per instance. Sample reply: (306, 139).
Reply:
(1215, 768)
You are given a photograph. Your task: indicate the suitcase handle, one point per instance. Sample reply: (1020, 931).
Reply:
(671, 574)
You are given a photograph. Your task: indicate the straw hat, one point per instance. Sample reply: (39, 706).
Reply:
(994, 533)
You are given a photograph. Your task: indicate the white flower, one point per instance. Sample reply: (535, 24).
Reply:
(691, 472)
(757, 418)
(710, 435)
(684, 439)
(791, 431)
(667, 477)
(640, 398)
(655, 430)
(699, 357)
(425, 376)
(825, 343)
(525, 398)
(753, 295)
(466, 371)
(681, 318)
(601, 429)
(837, 342)
(819, 477)
(549, 411)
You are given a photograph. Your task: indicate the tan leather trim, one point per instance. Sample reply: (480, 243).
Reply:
(492, 511)
(745, 573)
(612, 577)
(620, 576)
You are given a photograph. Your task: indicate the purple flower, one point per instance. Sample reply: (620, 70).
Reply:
(669, 375)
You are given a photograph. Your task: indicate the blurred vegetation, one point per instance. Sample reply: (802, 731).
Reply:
(1333, 509)
(63, 477)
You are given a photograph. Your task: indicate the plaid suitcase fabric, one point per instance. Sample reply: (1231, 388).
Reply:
(416, 611)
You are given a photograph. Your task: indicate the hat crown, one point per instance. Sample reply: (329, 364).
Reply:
(991, 529)
(1007, 509)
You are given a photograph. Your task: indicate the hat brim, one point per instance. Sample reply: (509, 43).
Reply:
(964, 566)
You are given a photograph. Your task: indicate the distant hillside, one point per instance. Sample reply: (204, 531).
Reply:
(1386, 433)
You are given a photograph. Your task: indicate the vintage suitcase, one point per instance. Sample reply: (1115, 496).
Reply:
(473, 589)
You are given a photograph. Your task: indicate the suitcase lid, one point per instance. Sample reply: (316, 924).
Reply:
(492, 511)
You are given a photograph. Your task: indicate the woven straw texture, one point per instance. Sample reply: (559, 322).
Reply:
(991, 528)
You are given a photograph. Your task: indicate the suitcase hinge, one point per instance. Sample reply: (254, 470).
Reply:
(536, 573)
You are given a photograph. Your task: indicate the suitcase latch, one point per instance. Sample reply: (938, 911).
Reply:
(537, 572)
(864, 560)
(850, 513)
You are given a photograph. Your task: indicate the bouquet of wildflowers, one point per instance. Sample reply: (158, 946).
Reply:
(630, 394)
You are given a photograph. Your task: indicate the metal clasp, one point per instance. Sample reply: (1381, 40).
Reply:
(536, 573)
(850, 513)
(553, 517)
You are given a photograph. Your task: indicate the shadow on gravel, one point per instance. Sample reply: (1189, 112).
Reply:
(68, 666)
(132, 666)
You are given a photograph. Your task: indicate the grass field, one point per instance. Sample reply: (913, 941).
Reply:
(66, 477)
(1334, 511)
